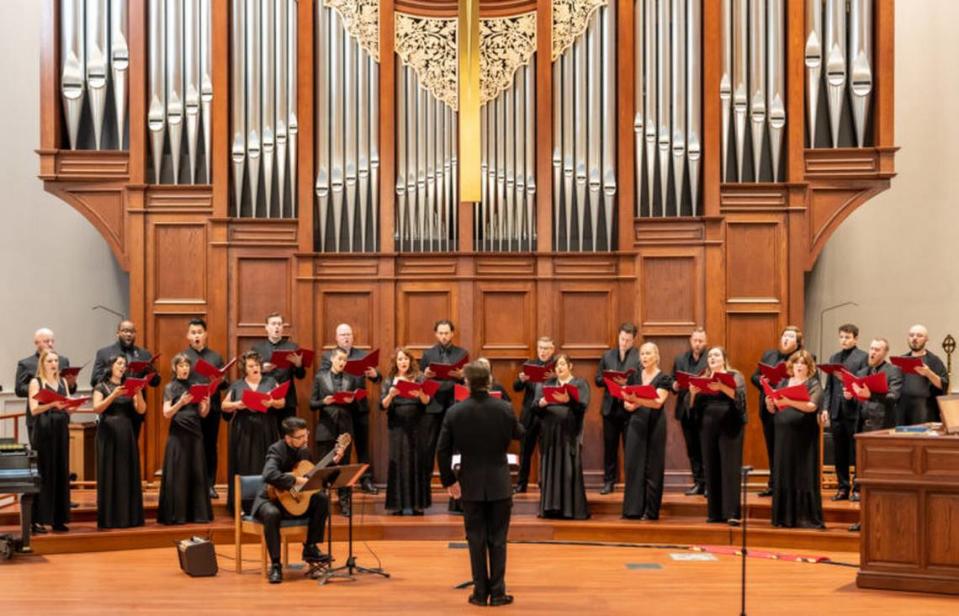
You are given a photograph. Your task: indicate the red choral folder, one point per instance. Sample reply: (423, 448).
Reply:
(208, 370)
(357, 367)
(346, 397)
(773, 373)
(536, 372)
(798, 393)
(71, 372)
(682, 379)
(202, 391)
(45, 396)
(702, 383)
(408, 389)
(461, 392)
(144, 366)
(551, 392)
(279, 358)
(255, 400)
(832, 369)
(132, 385)
(616, 374)
(876, 383)
(906, 363)
(646, 392)
(442, 371)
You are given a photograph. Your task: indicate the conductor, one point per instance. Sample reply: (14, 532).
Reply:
(480, 428)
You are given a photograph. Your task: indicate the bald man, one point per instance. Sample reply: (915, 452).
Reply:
(43, 339)
(361, 410)
(917, 404)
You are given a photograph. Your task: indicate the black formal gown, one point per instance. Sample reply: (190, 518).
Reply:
(184, 495)
(645, 455)
(797, 499)
(51, 438)
(251, 434)
(722, 446)
(119, 495)
(562, 489)
(411, 467)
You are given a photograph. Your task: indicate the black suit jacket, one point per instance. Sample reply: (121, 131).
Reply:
(214, 359)
(610, 361)
(686, 363)
(133, 353)
(855, 360)
(324, 386)
(437, 354)
(882, 405)
(770, 358)
(480, 428)
(280, 460)
(326, 363)
(529, 392)
(265, 349)
(26, 370)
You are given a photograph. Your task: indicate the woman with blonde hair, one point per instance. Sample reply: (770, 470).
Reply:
(723, 409)
(51, 438)
(797, 499)
(644, 456)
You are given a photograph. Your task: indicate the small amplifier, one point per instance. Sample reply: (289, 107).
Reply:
(197, 556)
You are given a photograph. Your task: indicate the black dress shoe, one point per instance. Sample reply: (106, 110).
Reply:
(312, 554)
(38, 529)
(276, 573)
(855, 497)
(418, 512)
(213, 493)
(766, 493)
(841, 495)
(855, 528)
(696, 490)
(366, 485)
(480, 601)
(519, 488)
(74, 505)
(501, 600)
(345, 508)
(60, 528)
(607, 488)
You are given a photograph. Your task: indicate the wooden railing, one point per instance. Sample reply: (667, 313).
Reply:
(16, 423)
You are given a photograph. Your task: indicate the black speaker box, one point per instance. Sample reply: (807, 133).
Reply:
(197, 556)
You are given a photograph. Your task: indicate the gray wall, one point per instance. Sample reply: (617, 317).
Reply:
(896, 256)
(54, 265)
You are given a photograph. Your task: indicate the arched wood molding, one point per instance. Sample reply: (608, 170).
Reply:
(104, 207)
(829, 206)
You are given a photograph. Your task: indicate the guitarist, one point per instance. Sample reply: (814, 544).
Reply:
(281, 458)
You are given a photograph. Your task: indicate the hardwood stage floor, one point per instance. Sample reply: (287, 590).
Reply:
(545, 579)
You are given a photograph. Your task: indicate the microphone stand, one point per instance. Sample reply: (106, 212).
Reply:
(742, 584)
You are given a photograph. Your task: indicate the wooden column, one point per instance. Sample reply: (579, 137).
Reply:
(626, 105)
(712, 110)
(387, 128)
(544, 126)
(304, 117)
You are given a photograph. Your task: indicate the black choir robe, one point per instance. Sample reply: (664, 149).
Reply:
(101, 369)
(251, 434)
(265, 349)
(27, 370)
(562, 488)
(210, 423)
(119, 493)
(184, 494)
(879, 411)
(917, 402)
(797, 497)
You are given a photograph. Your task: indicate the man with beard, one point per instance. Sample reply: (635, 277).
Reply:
(623, 358)
(790, 341)
(843, 414)
(443, 352)
(692, 361)
(361, 410)
(921, 386)
(528, 417)
(125, 346)
(196, 336)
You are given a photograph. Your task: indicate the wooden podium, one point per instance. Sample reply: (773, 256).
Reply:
(910, 511)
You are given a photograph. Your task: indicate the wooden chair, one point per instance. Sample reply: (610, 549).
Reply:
(245, 489)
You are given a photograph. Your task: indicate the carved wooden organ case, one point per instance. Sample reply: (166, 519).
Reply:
(669, 162)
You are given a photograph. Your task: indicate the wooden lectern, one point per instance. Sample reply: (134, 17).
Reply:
(910, 511)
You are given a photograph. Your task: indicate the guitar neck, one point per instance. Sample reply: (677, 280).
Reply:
(322, 463)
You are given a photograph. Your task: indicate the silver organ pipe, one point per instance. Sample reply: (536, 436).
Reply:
(346, 129)
(669, 103)
(174, 82)
(206, 84)
(262, 51)
(293, 127)
(156, 106)
(94, 59)
(753, 86)
(594, 112)
(191, 21)
(849, 71)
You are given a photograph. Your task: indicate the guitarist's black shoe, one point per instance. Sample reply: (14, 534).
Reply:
(366, 484)
(276, 573)
(311, 554)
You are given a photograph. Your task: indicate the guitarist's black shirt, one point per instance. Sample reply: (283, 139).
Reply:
(280, 461)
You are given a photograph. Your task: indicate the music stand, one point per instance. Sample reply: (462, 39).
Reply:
(347, 477)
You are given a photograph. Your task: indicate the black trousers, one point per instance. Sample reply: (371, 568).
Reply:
(528, 443)
(487, 525)
(769, 435)
(722, 446)
(844, 448)
(614, 432)
(691, 422)
(211, 432)
(271, 516)
(361, 440)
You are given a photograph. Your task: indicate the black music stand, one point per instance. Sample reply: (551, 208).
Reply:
(347, 477)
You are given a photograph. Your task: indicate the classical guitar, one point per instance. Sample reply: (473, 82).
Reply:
(294, 501)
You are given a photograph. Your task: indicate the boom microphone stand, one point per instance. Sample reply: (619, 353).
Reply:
(742, 584)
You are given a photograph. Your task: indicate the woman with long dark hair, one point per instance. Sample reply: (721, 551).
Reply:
(119, 494)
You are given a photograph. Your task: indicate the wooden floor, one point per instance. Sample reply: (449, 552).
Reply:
(682, 522)
(545, 579)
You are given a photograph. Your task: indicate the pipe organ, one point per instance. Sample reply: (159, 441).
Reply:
(666, 162)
